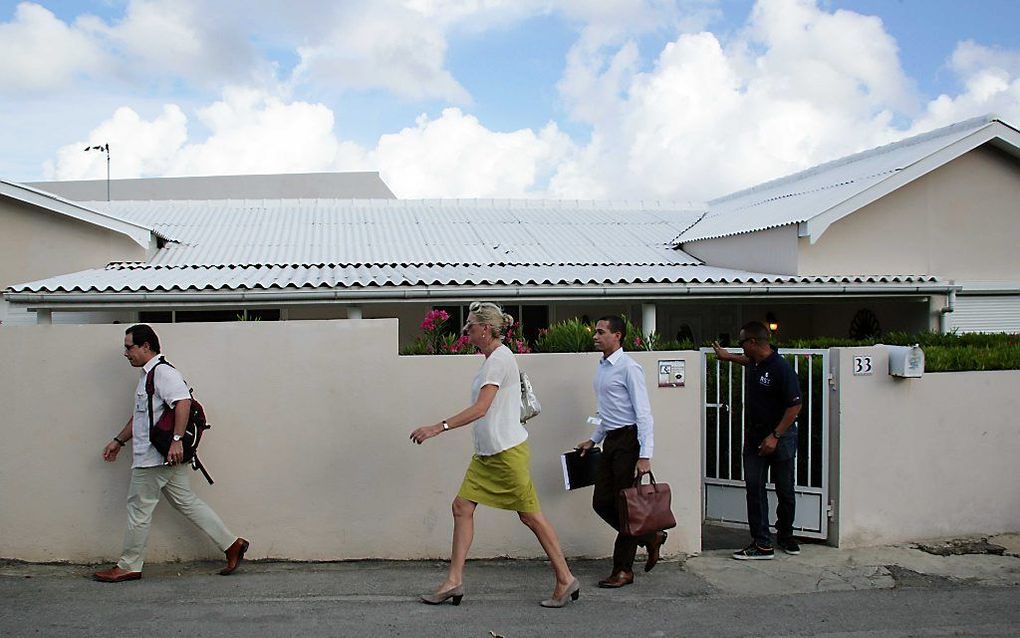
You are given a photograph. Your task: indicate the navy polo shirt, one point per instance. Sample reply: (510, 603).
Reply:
(771, 387)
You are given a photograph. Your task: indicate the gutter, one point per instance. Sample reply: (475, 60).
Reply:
(701, 291)
(945, 310)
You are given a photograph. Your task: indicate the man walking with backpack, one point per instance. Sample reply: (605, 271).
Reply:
(150, 472)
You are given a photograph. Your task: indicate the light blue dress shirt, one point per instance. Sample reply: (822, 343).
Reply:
(622, 400)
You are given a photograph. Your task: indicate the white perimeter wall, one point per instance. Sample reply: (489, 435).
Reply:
(309, 446)
(924, 458)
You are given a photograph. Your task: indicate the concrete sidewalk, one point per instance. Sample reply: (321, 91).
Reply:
(887, 591)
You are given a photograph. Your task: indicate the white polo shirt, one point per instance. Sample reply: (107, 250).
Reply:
(170, 388)
(500, 429)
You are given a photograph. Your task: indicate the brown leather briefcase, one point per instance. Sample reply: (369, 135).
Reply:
(645, 509)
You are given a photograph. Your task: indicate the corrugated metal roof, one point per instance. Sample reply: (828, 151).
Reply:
(802, 196)
(303, 231)
(126, 278)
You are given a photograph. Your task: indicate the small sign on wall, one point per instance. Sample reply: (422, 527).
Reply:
(671, 374)
(863, 365)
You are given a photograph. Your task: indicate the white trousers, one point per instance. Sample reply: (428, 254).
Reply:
(143, 496)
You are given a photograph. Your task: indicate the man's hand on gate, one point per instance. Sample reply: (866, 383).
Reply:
(720, 352)
(768, 446)
(110, 451)
(176, 453)
(584, 446)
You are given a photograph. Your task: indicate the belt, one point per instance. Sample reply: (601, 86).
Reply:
(620, 431)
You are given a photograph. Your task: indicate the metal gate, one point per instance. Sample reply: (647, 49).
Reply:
(724, 419)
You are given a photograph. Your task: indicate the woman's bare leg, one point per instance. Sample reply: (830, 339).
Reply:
(463, 534)
(543, 529)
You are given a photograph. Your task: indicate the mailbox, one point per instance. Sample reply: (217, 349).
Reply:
(906, 361)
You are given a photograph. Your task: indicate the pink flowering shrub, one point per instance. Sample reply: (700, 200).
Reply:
(437, 338)
(515, 340)
(434, 321)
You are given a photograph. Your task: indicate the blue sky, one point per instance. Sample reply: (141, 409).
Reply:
(637, 99)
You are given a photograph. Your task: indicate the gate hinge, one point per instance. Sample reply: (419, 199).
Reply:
(831, 378)
(830, 510)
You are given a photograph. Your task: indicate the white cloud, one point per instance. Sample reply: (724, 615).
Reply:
(795, 87)
(251, 131)
(713, 116)
(400, 51)
(456, 156)
(137, 147)
(991, 84)
(175, 39)
(254, 132)
(40, 52)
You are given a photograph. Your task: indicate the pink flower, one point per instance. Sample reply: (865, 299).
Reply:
(433, 318)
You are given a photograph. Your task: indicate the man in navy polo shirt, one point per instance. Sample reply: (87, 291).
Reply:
(772, 402)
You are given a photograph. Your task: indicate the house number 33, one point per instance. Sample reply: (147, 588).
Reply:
(862, 365)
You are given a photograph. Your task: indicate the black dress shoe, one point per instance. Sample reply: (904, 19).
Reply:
(617, 580)
(653, 550)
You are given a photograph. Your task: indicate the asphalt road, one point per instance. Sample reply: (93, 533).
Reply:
(379, 599)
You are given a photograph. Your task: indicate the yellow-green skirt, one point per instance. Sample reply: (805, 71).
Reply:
(502, 480)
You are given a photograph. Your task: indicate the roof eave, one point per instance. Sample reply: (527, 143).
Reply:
(547, 292)
(995, 132)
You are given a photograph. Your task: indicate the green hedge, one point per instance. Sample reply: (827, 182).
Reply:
(943, 352)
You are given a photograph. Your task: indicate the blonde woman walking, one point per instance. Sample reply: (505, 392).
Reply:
(499, 474)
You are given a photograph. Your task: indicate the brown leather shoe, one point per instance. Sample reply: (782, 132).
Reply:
(235, 554)
(116, 575)
(653, 550)
(618, 579)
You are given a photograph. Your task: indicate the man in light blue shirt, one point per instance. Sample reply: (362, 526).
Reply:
(623, 424)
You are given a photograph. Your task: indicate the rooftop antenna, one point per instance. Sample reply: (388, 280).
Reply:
(104, 147)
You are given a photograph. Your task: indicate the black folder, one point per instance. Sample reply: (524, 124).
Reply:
(579, 471)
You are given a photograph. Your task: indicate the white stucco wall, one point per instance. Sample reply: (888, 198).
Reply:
(926, 458)
(36, 244)
(309, 446)
(959, 222)
(770, 251)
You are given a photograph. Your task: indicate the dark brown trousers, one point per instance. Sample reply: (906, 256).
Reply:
(620, 451)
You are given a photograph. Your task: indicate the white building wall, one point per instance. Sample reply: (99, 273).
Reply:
(923, 458)
(309, 446)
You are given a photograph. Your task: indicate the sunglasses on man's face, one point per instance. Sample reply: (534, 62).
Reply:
(743, 341)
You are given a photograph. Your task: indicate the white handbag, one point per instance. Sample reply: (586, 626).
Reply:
(530, 407)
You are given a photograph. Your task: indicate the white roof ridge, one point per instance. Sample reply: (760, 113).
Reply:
(972, 123)
(807, 191)
(519, 202)
(78, 205)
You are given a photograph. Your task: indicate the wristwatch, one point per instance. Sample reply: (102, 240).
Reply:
(776, 434)
(177, 437)
(446, 426)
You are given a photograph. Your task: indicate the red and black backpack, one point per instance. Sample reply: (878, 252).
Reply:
(161, 432)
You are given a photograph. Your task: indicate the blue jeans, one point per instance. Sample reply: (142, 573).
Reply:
(783, 465)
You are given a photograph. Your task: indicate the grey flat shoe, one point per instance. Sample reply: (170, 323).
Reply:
(573, 593)
(456, 593)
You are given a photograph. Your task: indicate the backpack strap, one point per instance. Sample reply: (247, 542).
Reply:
(196, 464)
(150, 384)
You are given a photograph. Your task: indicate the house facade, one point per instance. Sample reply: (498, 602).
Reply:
(914, 235)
